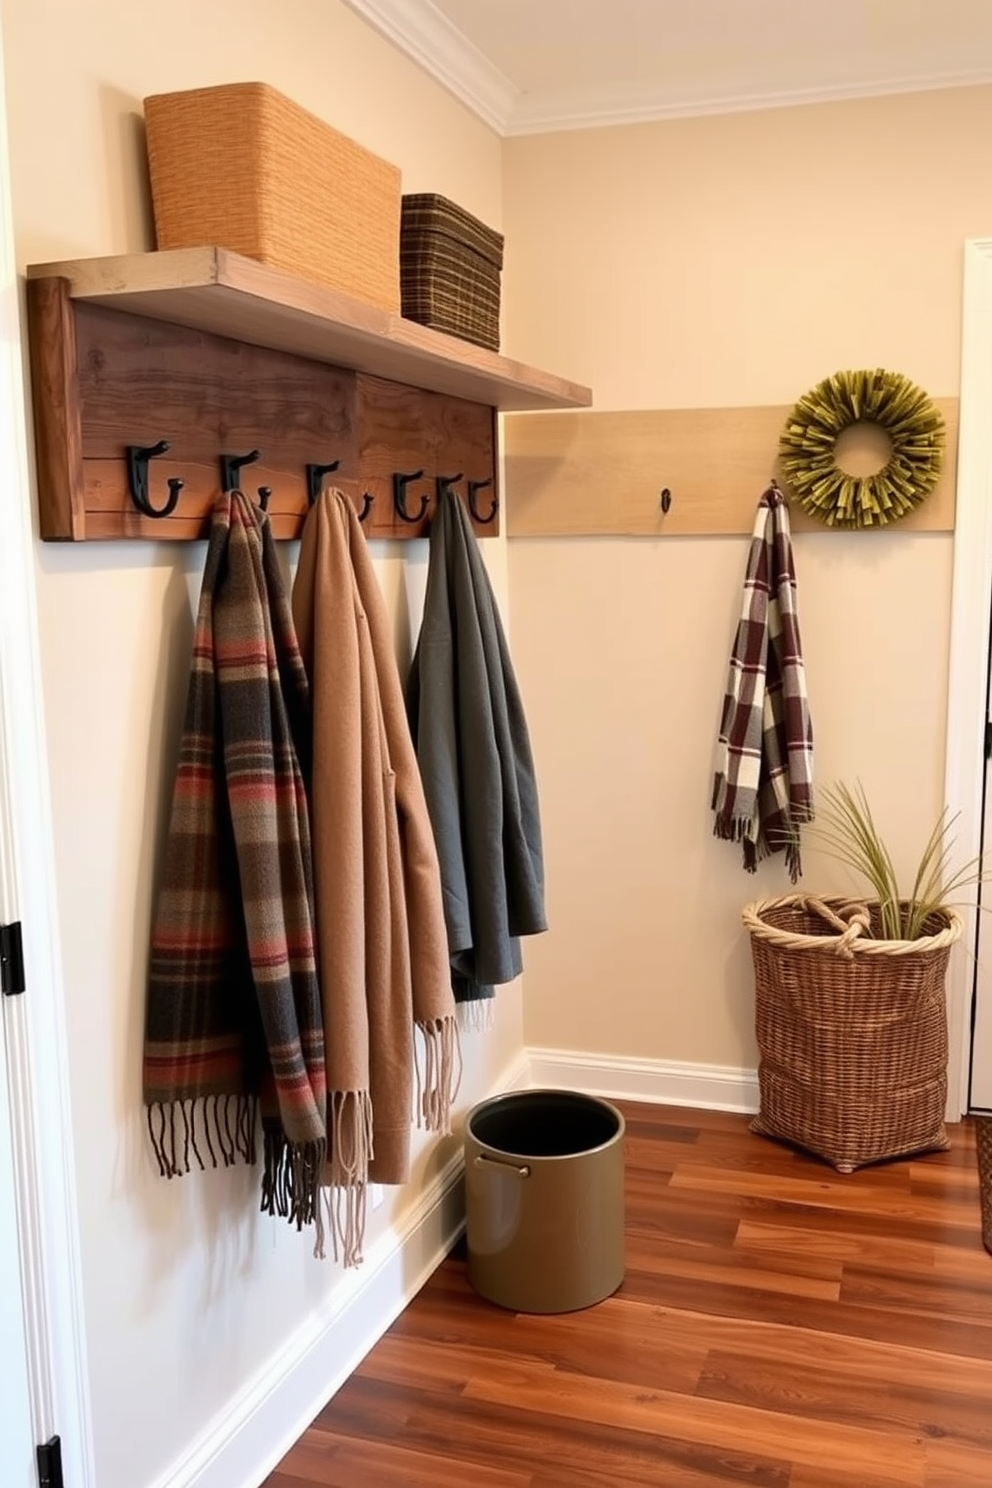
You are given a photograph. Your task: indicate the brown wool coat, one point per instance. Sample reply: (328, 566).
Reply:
(382, 950)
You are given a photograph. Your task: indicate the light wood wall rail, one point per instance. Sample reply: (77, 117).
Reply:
(587, 474)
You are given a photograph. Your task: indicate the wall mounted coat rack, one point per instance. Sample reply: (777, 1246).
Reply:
(668, 473)
(160, 379)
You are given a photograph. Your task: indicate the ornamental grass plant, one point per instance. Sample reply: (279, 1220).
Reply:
(847, 831)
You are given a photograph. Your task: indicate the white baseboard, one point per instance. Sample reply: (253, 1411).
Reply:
(245, 1442)
(249, 1438)
(666, 1082)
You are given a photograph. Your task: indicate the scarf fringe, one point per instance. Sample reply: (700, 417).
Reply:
(759, 845)
(345, 1187)
(786, 843)
(794, 862)
(439, 1079)
(291, 1181)
(224, 1124)
(734, 828)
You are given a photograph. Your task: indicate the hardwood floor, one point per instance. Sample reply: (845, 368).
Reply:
(779, 1326)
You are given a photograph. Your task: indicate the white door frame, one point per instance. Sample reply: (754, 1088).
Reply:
(36, 1074)
(16, 1436)
(969, 649)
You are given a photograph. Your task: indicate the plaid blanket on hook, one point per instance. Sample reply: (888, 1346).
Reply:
(233, 1019)
(763, 783)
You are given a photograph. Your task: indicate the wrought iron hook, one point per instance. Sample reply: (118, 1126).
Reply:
(264, 492)
(445, 484)
(315, 475)
(367, 501)
(473, 489)
(230, 467)
(400, 483)
(138, 456)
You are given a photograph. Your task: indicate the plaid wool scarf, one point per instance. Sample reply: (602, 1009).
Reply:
(763, 785)
(233, 1021)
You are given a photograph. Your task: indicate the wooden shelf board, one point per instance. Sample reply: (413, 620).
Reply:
(212, 289)
(587, 474)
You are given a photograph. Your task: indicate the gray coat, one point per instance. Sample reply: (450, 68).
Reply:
(475, 759)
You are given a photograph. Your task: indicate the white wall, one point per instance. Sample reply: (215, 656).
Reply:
(189, 1294)
(723, 262)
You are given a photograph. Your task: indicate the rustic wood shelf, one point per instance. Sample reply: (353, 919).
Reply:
(199, 354)
(212, 289)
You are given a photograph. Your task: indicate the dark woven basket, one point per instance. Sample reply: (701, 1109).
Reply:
(450, 266)
(851, 1030)
(983, 1145)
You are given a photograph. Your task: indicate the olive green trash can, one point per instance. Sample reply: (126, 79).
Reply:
(544, 1199)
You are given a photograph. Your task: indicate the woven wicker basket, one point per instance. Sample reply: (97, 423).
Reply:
(983, 1145)
(450, 266)
(242, 167)
(851, 1030)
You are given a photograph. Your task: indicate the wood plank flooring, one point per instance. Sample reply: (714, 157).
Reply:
(779, 1326)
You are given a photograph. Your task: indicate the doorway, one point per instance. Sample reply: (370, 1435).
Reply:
(43, 1380)
(980, 1053)
(16, 1443)
(970, 976)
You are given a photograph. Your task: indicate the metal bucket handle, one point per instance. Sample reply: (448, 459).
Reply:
(522, 1170)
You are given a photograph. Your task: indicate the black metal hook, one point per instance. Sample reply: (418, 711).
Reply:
(445, 484)
(665, 501)
(264, 492)
(230, 467)
(138, 456)
(473, 488)
(315, 475)
(367, 501)
(400, 483)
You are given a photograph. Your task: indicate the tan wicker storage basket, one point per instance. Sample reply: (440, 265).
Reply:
(450, 265)
(240, 166)
(852, 1031)
(983, 1144)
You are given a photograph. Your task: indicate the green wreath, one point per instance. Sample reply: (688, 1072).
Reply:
(806, 448)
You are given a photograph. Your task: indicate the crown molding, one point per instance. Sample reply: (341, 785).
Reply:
(423, 33)
(420, 30)
(583, 108)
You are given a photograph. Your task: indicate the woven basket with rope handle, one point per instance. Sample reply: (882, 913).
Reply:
(983, 1145)
(851, 1028)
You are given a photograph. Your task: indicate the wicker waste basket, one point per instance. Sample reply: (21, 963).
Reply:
(544, 1200)
(983, 1143)
(851, 1030)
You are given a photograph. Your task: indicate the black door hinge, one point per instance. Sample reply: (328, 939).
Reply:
(50, 1464)
(11, 959)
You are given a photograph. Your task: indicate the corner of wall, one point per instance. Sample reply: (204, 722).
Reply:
(246, 1441)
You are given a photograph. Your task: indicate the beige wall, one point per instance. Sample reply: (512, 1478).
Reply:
(189, 1294)
(705, 263)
